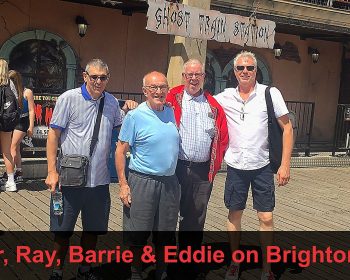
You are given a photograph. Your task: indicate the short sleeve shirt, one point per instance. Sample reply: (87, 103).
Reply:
(153, 138)
(247, 123)
(75, 115)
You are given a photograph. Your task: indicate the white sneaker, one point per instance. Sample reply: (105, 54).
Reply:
(232, 272)
(9, 187)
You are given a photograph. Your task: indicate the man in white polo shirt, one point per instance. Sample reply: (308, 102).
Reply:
(247, 156)
(72, 125)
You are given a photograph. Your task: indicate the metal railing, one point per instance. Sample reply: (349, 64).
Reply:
(304, 113)
(338, 4)
(304, 118)
(138, 97)
(341, 139)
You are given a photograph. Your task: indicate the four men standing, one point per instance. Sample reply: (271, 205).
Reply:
(191, 136)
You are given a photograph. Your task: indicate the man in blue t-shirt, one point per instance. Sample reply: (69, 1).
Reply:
(151, 195)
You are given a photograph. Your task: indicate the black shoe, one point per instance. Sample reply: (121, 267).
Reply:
(18, 177)
(201, 276)
(3, 179)
(55, 276)
(88, 275)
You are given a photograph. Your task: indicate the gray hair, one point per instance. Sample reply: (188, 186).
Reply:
(193, 61)
(98, 63)
(245, 54)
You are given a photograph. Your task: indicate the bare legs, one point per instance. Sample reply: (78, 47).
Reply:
(266, 229)
(15, 147)
(5, 138)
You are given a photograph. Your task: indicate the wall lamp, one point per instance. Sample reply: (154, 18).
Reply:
(315, 54)
(82, 25)
(277, 49)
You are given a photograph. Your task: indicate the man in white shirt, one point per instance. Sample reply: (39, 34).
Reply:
(247, 156)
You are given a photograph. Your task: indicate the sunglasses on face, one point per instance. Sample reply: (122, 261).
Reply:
(241, 67)
(94, 78)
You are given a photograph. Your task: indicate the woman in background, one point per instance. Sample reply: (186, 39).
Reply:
(26, 122)
(5, 136)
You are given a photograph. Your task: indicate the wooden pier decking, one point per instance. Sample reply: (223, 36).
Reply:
(316, 199)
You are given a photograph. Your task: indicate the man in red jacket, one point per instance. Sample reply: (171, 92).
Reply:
(203, 140)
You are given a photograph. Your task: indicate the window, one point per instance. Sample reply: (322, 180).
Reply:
(42, 65)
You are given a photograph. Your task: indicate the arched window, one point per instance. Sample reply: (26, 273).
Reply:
(212, 73)
(42, 65)
(47, 62)
(48, 65)
(217, 80)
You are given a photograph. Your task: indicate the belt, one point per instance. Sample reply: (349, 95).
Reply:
(193, 163)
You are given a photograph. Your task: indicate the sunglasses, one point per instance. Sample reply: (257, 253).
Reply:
(241, 68)
(94, 78)
(241, 114)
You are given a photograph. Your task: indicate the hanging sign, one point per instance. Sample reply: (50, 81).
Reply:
(183, 20)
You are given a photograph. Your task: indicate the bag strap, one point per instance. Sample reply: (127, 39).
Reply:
(2, 99)
(97, 127)
(269, 105)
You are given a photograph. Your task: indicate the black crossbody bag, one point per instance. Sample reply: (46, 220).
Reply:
(74, 168)
(275, 134)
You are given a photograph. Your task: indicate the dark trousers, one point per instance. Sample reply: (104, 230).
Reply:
(195, 194)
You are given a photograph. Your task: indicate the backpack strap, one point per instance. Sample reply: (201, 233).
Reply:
(2, 100)
(269, 105)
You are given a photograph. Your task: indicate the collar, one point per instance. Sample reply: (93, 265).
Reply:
(237, 95)
(198, 98)
(86, 94)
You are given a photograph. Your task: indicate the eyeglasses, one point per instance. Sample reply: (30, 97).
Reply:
(154, 88)
(193, 75)
(94, 78)
(241, 68)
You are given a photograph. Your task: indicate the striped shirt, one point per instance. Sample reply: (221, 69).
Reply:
(75, 115)
(196, 128)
